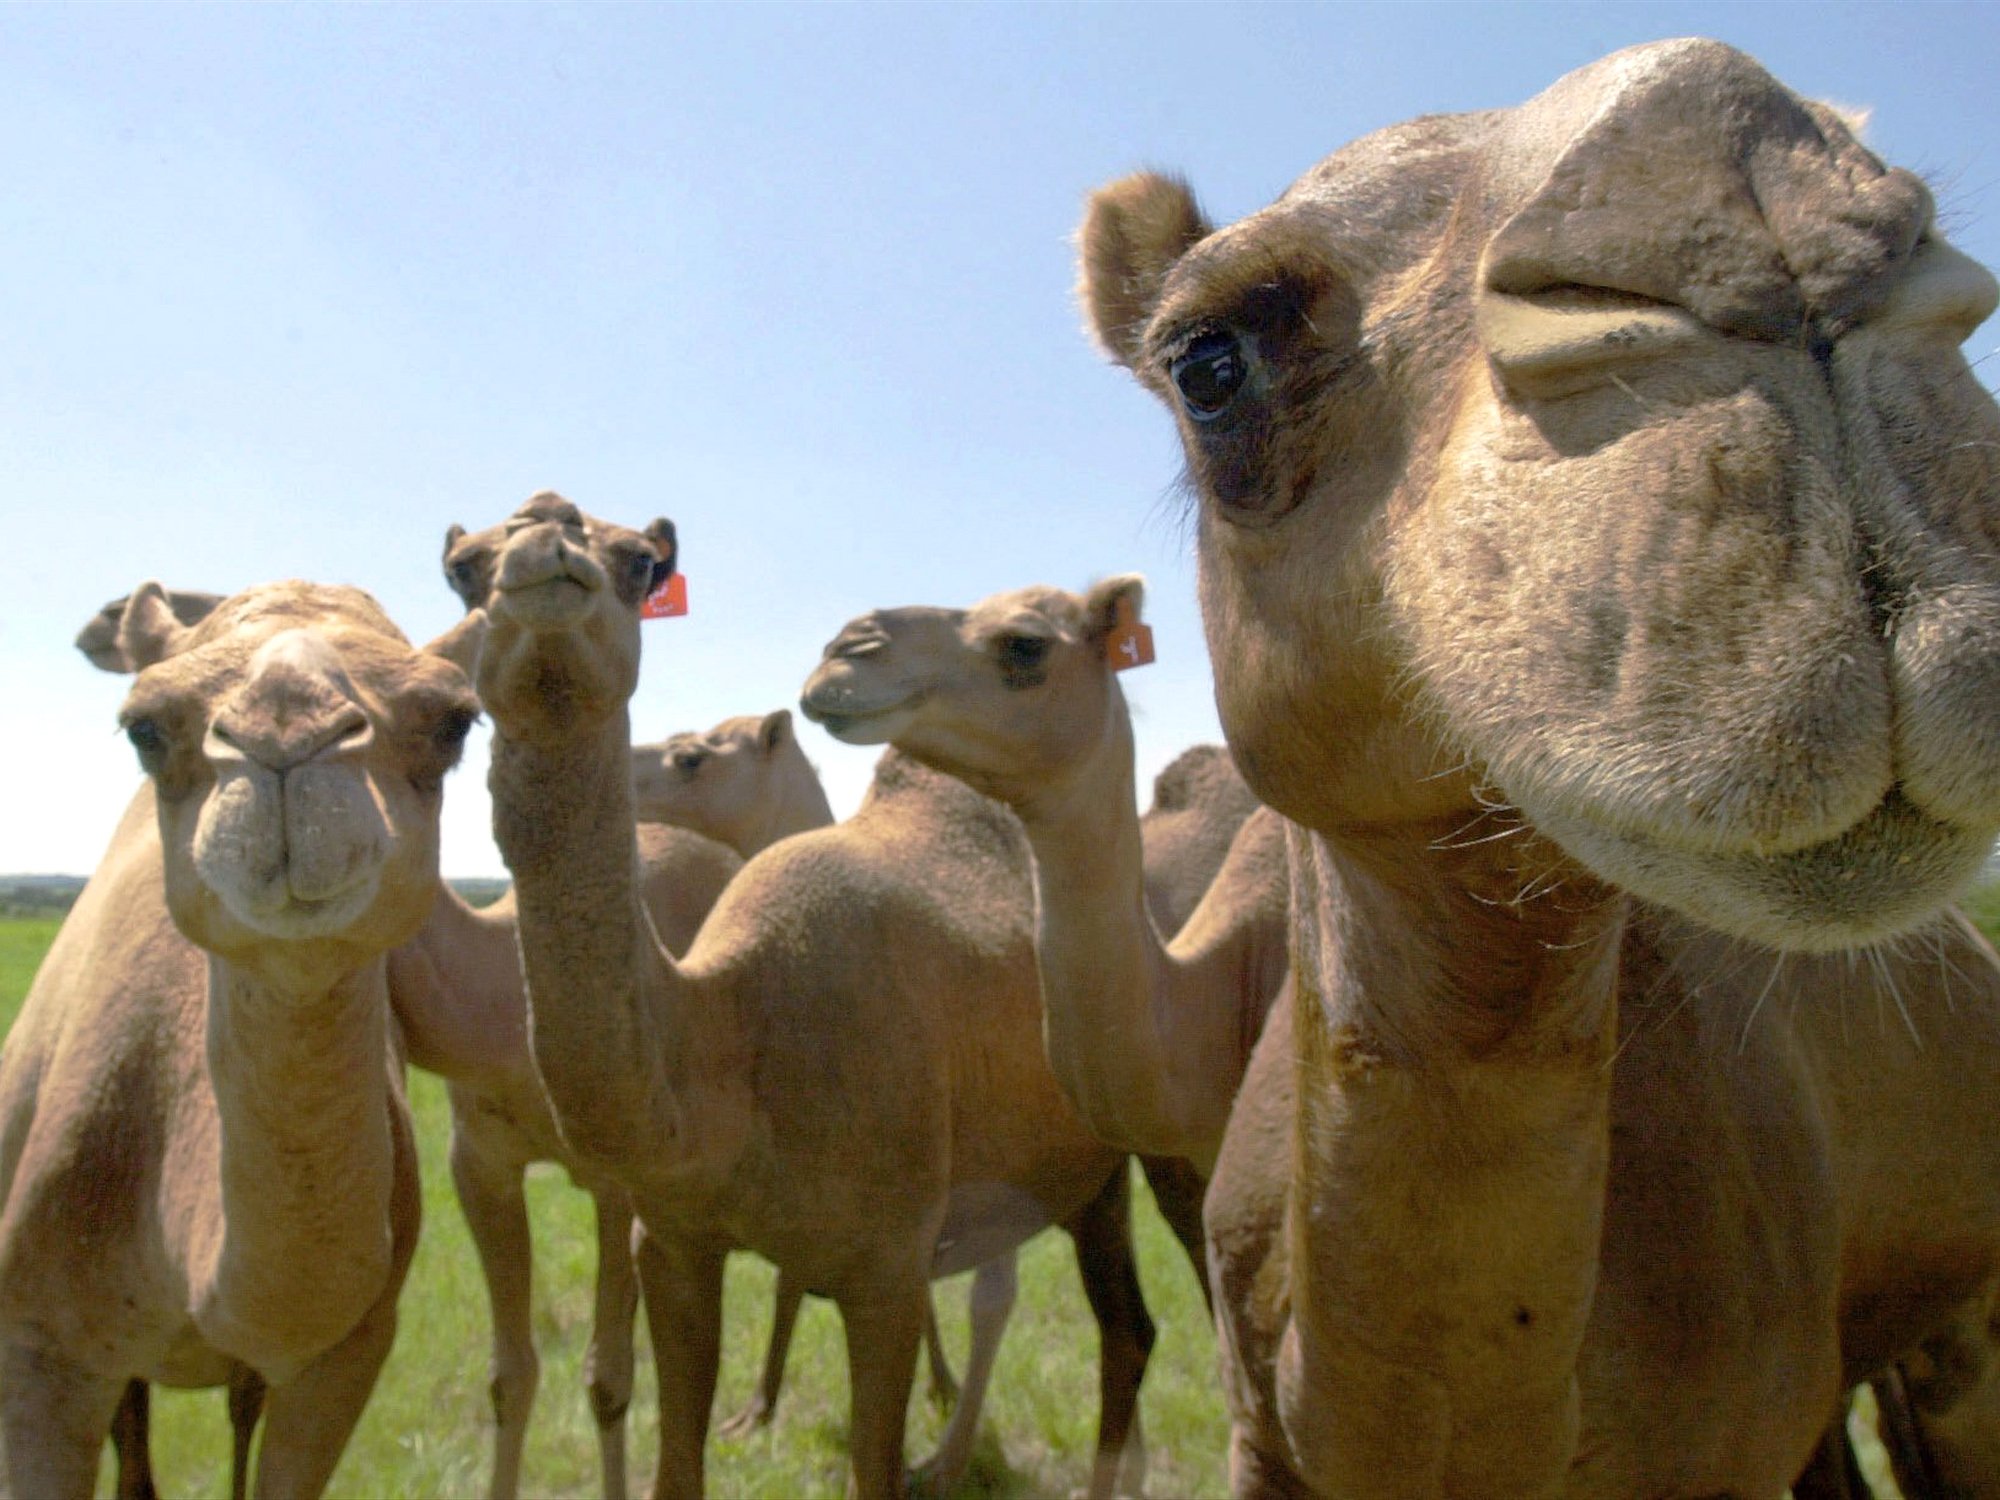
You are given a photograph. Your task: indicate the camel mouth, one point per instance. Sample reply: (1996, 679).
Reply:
(1884, 875)
(546, 601)
(853, 725)
(841, 698)
(277, 912)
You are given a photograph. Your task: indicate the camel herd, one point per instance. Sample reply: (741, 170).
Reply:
(1599, 536)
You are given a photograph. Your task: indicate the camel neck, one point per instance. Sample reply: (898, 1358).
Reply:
(604, 1022)
(1452, 1054)
(305, 1161)
(802, 808)
(457, 993)
(1106, 972)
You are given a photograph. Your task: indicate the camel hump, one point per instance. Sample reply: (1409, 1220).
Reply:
(1682, 172)
(910, 795)
(1201, 776)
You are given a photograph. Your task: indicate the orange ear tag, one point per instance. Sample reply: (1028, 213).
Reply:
(668, 600)
(1130, 643)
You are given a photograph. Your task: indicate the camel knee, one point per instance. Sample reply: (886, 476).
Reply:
(515, 1378)
(609, 1401)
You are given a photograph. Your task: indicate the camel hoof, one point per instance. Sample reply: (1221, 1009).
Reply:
(753, 1416)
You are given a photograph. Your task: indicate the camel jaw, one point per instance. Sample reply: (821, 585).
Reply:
(1885, 875)
(838, 699)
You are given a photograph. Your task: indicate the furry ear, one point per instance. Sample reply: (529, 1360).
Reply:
(660, 533)
(460, 644)
(1133, 231)
(775, 730)
(103, 639)
(1108, 598)
(453, 535)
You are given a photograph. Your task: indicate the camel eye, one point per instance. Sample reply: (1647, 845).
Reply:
(452, 730)
(688, 761)
(147, 739)
(1022, 658)
(1209, 373)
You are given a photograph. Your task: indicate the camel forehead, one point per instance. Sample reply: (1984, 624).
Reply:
(327, 633)
(1035, 605)
(255, 615)
(1680, 171)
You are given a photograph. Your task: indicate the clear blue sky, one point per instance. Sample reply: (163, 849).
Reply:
(283, 292)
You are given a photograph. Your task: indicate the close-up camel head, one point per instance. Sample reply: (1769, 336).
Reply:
(550, 574)
(297, 745)
(994, 695)
(1612, 457)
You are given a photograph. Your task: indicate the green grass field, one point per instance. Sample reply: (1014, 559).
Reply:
(425, 1432)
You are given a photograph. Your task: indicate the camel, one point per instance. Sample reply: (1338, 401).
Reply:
(456, 992)
(205, 1155)
(844, 1074)
(747, 783)
(1595, 528)
(1016, 698)
(1006, 696)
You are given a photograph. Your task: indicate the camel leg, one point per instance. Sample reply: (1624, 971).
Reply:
(883, 1332)
(683, 1282)
(1255, 1474)
(991, 1301)
(607, 1363)
(1178, 1190)
(130, 1429)
(308, 1419)
(763, 1402)
(496, 1213)
(1110, 1270)
(55, 1417)
(1833, 1473)
(246, 1406)
(1903, 1435)
(943, 1385)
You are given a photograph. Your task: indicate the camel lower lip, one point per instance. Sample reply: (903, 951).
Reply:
(842, 723)
(1890, 872)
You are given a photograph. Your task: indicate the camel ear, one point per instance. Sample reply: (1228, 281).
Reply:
(775, 730)
(1113, 602)
(660, 533)
(1133, 232)
(460, 644)
(104, 639)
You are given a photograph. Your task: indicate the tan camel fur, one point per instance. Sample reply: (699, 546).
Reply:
(1199, 801)
(456, 992)
(205, 1156)
(747, 783)
(844, 1074)
(1015, 697)
(1594, 510)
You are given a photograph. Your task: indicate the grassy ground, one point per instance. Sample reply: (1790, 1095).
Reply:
(425, 1432)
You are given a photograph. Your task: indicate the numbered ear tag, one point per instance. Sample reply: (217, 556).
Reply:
(668, 600)
(1130, 643)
